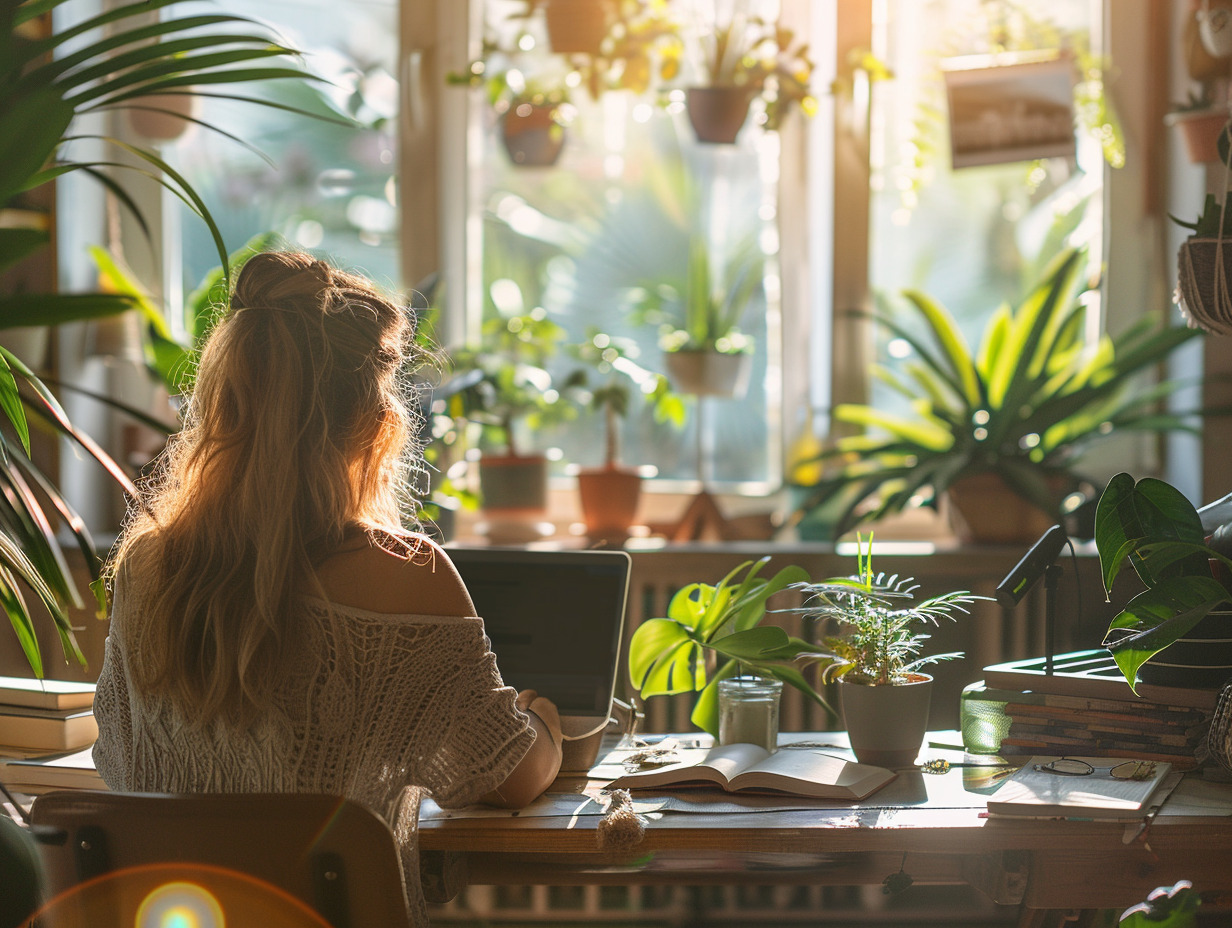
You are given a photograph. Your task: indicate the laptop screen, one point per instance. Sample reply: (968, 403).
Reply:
(555, 620)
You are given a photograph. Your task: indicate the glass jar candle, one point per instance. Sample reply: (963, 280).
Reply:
(749, 711)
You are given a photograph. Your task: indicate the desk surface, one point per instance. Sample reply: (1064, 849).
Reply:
(933, 827)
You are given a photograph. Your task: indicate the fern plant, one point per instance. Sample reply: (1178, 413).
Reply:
(880, 640)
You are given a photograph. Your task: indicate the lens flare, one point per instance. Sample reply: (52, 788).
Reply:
(180, 905)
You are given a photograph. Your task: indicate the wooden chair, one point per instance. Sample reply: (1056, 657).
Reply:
(276, 860)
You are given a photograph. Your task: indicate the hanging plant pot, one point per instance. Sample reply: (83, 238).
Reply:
(1204, 283)
(578, 27)
(532, 136)
(718, 113)
(887, 724)
(709, 373)
(1200, 64)
(609, 497)
(1201, 130)
(985, 510)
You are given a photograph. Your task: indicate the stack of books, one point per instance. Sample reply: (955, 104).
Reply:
(1085, 707)
(45, 716)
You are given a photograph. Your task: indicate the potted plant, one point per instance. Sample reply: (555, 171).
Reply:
(705, 351)
(720, 624)
(41, 96)
(1200, 263)
(1202, 122)
(1188, 585)
(1010, 419)
(876, 656)
(511, 388)
(532, 112)
(609, 494)
(741, 60)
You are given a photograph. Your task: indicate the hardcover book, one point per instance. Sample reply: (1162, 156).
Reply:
(65, 771)
(1115, 789)
(45, 694)
(736, 767)
(47, 729)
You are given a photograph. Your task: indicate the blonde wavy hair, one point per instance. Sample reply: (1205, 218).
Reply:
(296, 436)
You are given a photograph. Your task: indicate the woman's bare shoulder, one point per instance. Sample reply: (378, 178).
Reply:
(420, 579)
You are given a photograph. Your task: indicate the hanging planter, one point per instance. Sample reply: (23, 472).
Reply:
(532, 135)
(578, 27)
(1204, 269)
(718, 113)
(709, 373)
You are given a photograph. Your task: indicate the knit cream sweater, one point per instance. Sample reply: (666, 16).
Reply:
(378, 708)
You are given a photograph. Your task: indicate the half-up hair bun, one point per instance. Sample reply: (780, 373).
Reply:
(282, 280)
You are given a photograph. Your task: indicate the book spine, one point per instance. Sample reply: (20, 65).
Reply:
(1181, 760)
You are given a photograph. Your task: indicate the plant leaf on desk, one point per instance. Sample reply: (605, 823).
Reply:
(1157, 617)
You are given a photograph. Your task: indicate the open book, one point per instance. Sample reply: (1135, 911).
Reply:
(799, 772)
(1036, 793)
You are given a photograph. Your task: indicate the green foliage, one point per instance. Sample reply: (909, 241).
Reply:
(667, 655)
(1209, 221)
(1174, 906)
(1024, 406)
(879, 643)
(113, 61)
(1152, 525)
(698, 312)
(512, 382)
(612, 359)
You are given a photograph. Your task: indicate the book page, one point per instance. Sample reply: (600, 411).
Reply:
(1040, 789)
(718, 766)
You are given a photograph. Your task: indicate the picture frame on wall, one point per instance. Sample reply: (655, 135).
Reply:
(1020, 111)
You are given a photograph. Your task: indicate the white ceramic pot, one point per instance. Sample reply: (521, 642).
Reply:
(887, 724)
(1215, 29)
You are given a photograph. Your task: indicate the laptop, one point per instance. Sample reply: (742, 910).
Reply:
(555, 619)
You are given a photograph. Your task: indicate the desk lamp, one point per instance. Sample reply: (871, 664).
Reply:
(1038, 562)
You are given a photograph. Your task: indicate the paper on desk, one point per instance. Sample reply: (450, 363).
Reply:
(1196, 796)
(549, 805)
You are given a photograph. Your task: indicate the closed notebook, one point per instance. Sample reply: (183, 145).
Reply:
(736, 767)
(1042, 793)
(66, 771)
(47, 729)
(45, 694)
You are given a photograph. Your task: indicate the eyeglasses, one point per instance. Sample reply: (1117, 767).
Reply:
(1077, 767)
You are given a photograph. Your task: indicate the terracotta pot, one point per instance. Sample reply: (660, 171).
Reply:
(609, 497)
(718, 113)
(531, 135)
(578, 27)
(984, 510)
(709, 373)
(887, 724)
(168, 125)
(1201, 130)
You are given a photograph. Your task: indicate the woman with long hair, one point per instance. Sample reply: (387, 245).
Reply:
(274, 626)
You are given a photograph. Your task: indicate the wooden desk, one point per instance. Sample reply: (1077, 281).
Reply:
(928, 826)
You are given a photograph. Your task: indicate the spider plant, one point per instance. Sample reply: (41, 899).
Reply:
(123, 58)
(1024, 406)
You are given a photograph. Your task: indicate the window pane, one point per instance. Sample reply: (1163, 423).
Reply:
(325, 187)
(975, 237)
(607, 230)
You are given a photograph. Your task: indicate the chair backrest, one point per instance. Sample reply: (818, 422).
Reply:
(268, 859)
